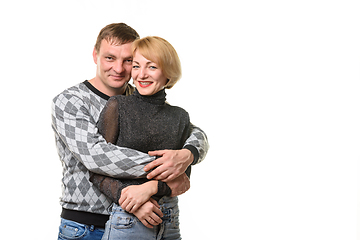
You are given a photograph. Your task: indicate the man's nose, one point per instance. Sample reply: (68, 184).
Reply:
(118, 67)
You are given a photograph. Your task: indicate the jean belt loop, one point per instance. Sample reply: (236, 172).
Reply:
(109, 208)
(92, 227)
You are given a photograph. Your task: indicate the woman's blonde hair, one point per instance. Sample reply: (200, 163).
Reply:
(161, 52)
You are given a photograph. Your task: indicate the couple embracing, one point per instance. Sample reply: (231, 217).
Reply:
(125, 151)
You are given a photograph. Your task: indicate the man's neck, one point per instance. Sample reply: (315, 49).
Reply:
(98, 84)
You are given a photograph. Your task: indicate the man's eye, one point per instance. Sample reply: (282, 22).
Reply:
(109, 58)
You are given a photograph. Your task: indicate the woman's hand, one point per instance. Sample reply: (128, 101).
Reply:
(133, 197)
(149, 213)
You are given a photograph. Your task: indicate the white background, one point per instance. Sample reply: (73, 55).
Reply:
(274, 84)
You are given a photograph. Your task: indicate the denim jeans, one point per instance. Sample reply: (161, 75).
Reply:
(123, 225)
(73, 230)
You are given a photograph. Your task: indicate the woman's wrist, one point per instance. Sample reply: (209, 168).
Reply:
(152, 186)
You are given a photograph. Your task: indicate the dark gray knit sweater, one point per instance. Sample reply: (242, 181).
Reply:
(143, 123)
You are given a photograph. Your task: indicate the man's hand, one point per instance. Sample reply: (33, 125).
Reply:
(170, 165)
(132, 197)
(149, 213)
(179, 185)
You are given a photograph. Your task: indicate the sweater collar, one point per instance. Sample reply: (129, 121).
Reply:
(158, 98)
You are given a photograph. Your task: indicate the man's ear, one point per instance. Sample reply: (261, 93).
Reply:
(95, 56)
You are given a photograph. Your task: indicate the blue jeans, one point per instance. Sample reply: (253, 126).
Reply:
(123, 225)
(73, 230)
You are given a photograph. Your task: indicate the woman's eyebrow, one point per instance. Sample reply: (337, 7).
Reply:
(147, 63)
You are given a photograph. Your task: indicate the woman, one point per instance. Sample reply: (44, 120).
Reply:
(145, 122)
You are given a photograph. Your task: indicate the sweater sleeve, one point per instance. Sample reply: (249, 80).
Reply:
(76, 129)
(112, 187)
(108, 123)
(197, 143)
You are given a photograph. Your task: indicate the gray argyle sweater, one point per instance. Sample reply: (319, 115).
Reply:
(75, 113)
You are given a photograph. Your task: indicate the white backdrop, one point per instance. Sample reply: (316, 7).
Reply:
(274, 84)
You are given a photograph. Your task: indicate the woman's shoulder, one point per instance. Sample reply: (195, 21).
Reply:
(114, 101)
(118, 98)
(179, 110)
(121, 101)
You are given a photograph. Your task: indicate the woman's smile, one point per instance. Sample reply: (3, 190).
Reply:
(145, 84)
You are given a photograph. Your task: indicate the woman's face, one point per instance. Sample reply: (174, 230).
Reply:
(148, 77)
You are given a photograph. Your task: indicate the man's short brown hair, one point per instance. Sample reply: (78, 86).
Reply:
(116, 33)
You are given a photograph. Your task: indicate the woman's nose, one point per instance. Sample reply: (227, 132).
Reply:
(143, 73)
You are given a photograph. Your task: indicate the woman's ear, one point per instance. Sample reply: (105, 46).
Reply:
(166, 85)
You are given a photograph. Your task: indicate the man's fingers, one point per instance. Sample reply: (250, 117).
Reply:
(165, 179)
(153, 164)
(156, 153)
(159, 173)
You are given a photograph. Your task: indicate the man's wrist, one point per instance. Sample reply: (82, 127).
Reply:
(194, 154)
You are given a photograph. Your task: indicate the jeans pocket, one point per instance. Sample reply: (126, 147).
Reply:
(71, 230)
(122, 220)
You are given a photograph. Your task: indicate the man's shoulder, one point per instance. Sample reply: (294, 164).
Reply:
(129, 90)
(79, 91)
(72, 98)
(74, 90)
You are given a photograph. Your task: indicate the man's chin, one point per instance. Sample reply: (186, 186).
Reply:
(119, 85)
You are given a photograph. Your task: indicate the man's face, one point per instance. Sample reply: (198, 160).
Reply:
(114, 64)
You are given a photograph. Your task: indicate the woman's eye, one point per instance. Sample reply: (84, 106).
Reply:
(153, 67)
(135, 66)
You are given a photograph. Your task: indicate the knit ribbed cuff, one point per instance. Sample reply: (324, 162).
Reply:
(195, 153)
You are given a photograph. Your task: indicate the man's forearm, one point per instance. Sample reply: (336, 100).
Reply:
(179, 185)
(198, 144)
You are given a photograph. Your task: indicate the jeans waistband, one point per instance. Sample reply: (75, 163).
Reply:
(165, 203)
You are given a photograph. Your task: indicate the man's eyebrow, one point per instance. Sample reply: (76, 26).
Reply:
(109, 55)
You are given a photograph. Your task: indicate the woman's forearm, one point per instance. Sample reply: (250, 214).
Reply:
(112, 187)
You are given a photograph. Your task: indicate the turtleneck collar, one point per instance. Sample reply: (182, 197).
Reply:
(158, 98)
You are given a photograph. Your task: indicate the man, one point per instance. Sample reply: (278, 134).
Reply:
(81, 148)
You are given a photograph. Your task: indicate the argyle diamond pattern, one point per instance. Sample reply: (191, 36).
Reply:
(81, 149)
